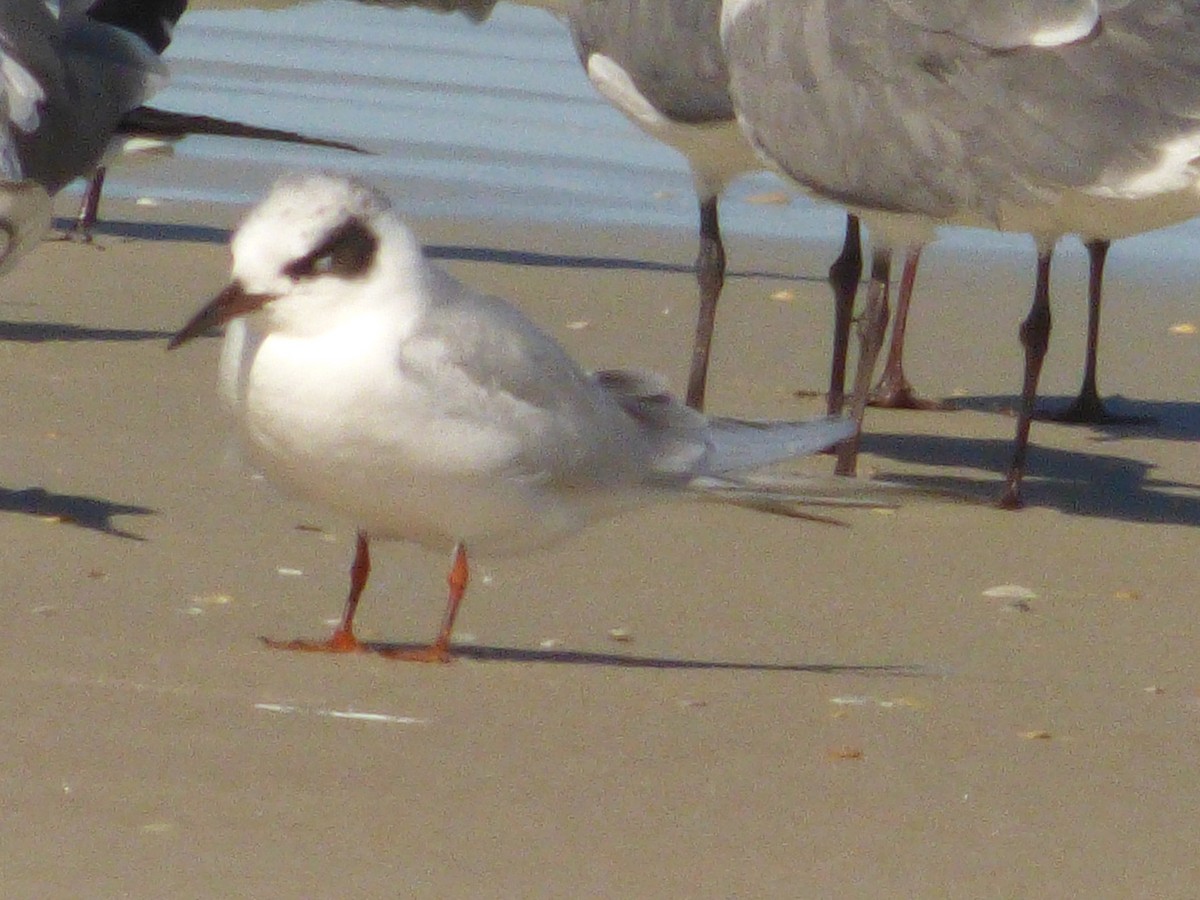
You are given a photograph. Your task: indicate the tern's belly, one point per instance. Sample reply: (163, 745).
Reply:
(492, 516)
(388, 458)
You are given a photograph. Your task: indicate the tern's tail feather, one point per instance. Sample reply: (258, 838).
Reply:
(795, 495)
(739, 445)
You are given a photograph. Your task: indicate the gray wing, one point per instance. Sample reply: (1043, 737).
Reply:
(1003, 25)
(894, 111)
(671, 49)
(491, 366)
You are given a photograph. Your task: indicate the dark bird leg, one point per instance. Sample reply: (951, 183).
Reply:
(710, 275)
(89, 210)
(1035, 338)
(342, 640)
(844, 276)
(1088, 408)
(893, 390)
(871, 327)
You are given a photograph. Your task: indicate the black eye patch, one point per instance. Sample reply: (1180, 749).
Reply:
(347, 252)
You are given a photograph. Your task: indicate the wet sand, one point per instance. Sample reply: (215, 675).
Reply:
(799, 710)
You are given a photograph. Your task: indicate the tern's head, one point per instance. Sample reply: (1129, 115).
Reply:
(317, 250)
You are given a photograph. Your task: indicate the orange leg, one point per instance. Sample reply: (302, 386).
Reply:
(342, 640)
(439, 650)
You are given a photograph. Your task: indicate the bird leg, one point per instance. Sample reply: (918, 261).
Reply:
(439, 650)
(844, 275)
(871, 327)
(89, 210)
(1088, 408)
(893, 390)
(710, 275)
(1035, 337)
(342, 640)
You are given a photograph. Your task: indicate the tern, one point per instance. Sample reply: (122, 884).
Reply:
(365, 379)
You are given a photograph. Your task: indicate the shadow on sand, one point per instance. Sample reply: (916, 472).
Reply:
(92, 513)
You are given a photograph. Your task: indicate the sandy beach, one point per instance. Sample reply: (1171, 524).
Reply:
(794, 710)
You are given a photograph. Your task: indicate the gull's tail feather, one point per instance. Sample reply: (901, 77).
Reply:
(167, 123)
(738, 445)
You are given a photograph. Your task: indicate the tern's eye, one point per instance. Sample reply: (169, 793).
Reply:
(347, 252)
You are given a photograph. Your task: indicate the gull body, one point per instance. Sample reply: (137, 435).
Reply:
(660, 63)
(65, 82)
(1046, 118)
(366, 379)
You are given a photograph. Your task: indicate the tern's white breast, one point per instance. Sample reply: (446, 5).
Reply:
(333, 419)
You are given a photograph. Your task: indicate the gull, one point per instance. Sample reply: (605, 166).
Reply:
(1071, 117)
(365, 379)
(153, 23)
(65, 83)
(145, 127)
(660, 63)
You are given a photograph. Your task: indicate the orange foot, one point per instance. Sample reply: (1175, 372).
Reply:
(339, 642)
(346, 642)
(436, 652)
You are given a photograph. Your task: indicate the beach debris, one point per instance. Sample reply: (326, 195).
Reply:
(1036, 735)
(1127, 596)
(1016, 597)
(289, 573)
(198, 605)
(352, 714)
(880, 702)
(1183, 328)
(577, 325)
(549, 644)
(845, 753)
(621, 635)
(1010, 592)
(784, 295)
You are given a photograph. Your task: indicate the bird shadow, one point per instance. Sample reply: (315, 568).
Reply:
(1077, 483)
(92, 513)
(534, 259)
(628, 661)
(1162, 420)
(204, 234)
(151, 231)
(50, 332)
